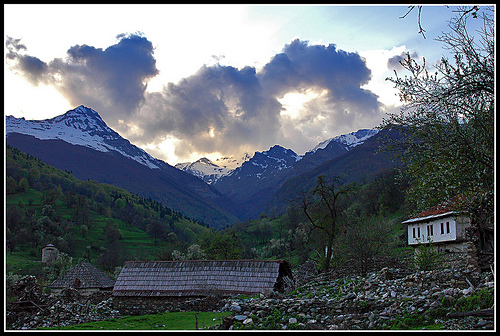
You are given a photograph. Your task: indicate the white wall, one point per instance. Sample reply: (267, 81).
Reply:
(436, 235)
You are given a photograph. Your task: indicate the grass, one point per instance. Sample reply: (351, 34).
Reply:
(161, 321)
(135, 241)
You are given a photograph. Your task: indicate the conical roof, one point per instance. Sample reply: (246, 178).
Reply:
(83, 275)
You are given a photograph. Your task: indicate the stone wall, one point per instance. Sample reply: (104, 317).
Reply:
(137, 305)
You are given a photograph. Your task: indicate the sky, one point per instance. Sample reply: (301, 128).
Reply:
(190, 81)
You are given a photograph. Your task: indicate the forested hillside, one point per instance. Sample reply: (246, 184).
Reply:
(107, 225)
(97, 222)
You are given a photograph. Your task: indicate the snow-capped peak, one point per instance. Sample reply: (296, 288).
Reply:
(350, 140)
(204, 169)
(84, 127)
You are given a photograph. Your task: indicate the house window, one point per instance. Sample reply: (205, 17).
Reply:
(418, 231)
(414, 236)
(447, 227)
(430, 230)
(442, 228)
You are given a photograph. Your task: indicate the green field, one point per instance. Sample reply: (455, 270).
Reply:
(161, 321)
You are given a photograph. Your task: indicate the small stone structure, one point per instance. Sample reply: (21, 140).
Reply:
(49, 253)
(85, 278)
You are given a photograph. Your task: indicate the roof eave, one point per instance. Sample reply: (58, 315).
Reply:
(426, 218)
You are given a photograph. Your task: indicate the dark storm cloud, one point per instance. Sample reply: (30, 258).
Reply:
(224, 109)
(33, 68)
(301, 66)
(219, 108)
(122, 70)
(112, 80)
(342, 74)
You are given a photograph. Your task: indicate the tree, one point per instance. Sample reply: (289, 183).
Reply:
(11, 185)
(324, 210)
(364, 240)
(156, 229)
(447, 120)
(51, 195)
(24, 185)
(111, 232)
(220, 246)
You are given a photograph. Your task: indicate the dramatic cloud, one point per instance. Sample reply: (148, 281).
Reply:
(218, 109)
(336, 76)
(112, 81)
(33, 68)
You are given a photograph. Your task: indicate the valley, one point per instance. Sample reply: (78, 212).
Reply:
(80, 159)
(97, 204)
(219, 194)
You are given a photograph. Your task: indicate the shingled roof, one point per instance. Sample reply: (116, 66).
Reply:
(201, 277)
(441, 210)
(83, 275)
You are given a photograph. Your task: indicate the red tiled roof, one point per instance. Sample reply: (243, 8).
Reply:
(437, 210)
(449, 206)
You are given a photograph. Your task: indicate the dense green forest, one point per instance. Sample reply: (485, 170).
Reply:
(107, 225)
(98, 222)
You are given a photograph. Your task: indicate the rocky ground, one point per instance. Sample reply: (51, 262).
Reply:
(449, 299)
(389, 298)
(34, 309)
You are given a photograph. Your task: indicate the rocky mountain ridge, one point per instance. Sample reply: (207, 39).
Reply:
(81, 143)
(210, 171)
(218, 194)
(84, 127)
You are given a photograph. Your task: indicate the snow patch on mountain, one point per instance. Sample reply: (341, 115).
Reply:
(349, 141)
(204, 169)
(84, 127)
(264, 164)
(210, 171)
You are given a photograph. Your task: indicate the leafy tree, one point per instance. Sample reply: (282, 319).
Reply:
(157, 230)
(80, 210)
(220, 245)
(24, 185)
(447, 120)
(51, 195)
(365, 239)
(11, 185)
(194, 252)
(324, 210)
(111, 232)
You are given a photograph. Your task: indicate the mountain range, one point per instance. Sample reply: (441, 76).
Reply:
(80, 142)
(218, 193)
(210, 171)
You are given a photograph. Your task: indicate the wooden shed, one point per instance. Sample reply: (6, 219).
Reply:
(201, 278)
(84, 277)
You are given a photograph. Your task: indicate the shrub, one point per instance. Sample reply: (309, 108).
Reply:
(427, 257)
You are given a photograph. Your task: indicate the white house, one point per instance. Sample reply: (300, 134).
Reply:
(440, 225)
